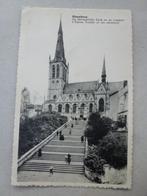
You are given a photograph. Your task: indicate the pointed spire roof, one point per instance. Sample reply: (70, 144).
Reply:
(59, 53)
(60, 28)
(104, 71)
(104, 68)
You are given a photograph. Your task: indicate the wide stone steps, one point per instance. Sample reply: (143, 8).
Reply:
(54, 152)
(73, 133)
(59, 148)
(66, 142)
(73, 138)
(59, 168)
(59, 156)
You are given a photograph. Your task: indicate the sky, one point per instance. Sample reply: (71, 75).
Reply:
(85, 46)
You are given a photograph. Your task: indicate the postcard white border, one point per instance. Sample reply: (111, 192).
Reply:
(128, 185)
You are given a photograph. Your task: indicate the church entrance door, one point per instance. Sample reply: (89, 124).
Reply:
(82, 110)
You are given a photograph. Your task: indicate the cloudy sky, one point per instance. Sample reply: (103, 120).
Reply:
(85, 47)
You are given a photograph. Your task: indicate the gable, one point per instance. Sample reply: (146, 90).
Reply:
(101, 89)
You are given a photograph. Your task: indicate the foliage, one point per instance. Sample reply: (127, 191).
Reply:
(113, 148)
(121, 122)
(97, 128)
(94, 162)
(34, 130)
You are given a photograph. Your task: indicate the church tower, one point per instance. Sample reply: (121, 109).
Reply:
(58, 69)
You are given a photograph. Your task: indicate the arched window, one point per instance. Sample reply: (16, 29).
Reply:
(54, 97)
(58, 71)
(74, 108)
(50, 108)
(91, 107)
(78, 96)
(82, 107)
(101, 105)
(53, 71)
(65, 74)
(67, 108)
(59, 108)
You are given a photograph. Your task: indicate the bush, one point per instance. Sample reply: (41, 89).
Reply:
(97, 128)
(95, 164)
(121, 121)
(113, 148)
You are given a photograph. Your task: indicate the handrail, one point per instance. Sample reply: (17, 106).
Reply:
(35, 149)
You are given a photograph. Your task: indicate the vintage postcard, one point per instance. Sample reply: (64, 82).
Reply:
(73, 116)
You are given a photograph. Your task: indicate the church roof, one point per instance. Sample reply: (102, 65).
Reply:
(115, 86)
(80, 87)
(83, 87)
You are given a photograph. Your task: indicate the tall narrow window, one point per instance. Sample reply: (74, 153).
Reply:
(60, 108)
(101, 105)
(53, 71)
(58, 71)
(67, 108)
(74, 108)
(91, 107)
(64, 74)
(50, 108)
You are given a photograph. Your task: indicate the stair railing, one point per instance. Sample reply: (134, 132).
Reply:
(35, 149)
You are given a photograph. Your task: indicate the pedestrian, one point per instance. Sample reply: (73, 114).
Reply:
(68, 158)
(39, 152)
(51, 170)
(60, 133)
(82, 138)
(75, 120)
(57, 133)
(70, 131)
(72, 125)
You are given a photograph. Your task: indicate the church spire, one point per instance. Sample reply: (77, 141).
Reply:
(59, 53)
(103, 72)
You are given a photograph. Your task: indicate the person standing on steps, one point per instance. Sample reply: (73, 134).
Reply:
(82, 139)
(40, 152)
(69, 131)
(68, 158)
(51, 169)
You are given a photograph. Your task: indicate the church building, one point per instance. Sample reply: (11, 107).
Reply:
(81, 98)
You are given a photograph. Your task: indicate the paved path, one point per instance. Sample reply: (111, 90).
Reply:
(53, 154)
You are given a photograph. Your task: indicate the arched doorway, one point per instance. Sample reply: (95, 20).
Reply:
(67, 108)
(60, 108)
(101, 105)
(50, 108)
(91, 107)
(82, 110)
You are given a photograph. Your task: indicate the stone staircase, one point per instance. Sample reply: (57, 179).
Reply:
(54, 152)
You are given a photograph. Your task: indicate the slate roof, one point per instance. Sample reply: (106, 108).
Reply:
(83, 87)
(80, 87)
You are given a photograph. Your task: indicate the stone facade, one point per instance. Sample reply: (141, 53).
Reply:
(80, 99)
